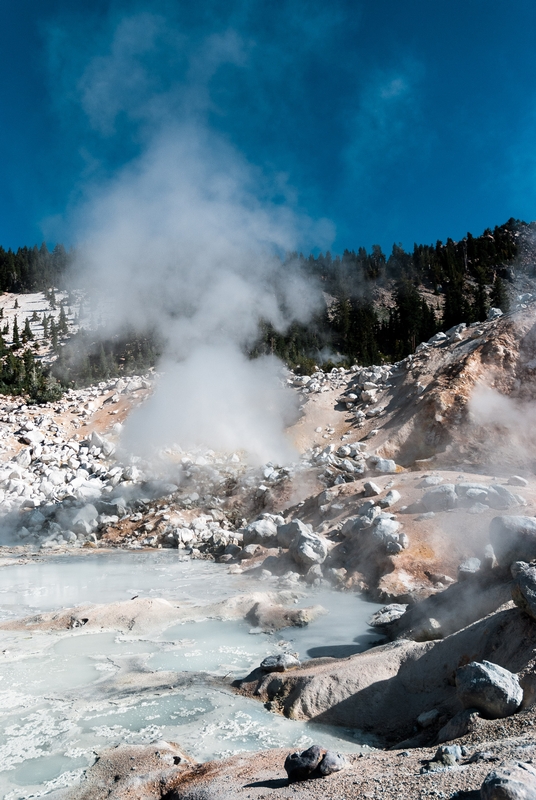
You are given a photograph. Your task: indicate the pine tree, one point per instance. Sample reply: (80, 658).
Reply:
(27, 334)
(44, 323)
(63, 328)
(481, 305)
(499, 296)
(15, 337)
(16, 303)
(29, 370)
(53, 335)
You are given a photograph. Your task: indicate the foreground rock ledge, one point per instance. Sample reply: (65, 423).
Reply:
(384, 690)
(162, 772)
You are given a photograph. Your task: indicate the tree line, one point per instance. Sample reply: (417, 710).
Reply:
(432, 288)
(378, 307)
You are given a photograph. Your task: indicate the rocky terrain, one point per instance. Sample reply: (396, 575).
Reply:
(414, 483)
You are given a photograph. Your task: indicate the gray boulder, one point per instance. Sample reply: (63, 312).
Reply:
(492, 690)
(309, 548)
(469, 568)
(332, 762)
(314, 574)
(385, 532)
(261, 531)
(517, 480)
(23, 457)
(287, 533)
(442, 498)
(300, 766)
(371, 489)
(390, 499)
(500, 498)
(513, 539)
(383, 465)
(524, 588)
(385, 528)
(513, 780)
(448, 754)
(464, 722)
(279, 663)
(384, 616)
(85, 520)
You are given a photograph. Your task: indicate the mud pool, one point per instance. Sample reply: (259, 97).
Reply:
(66, 695)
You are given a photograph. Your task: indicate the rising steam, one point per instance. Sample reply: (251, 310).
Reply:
(186, 241)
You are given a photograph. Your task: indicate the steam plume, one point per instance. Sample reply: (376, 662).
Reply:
(186, 240)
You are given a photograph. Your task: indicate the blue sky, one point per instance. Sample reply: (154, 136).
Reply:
(395, 121)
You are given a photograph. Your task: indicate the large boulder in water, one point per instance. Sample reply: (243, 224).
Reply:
(492, 690)
(513, 780)
(513, 539)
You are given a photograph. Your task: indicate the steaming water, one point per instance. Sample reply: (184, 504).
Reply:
(64, 696)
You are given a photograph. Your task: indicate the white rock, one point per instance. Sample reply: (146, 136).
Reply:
(371, 489)
(308, 549)
(390, 499)
(24, 457)
(517, 480)
(33, 437)
(383, 465)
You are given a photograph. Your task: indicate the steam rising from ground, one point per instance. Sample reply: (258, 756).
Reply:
(216, 395)
(510, 423)
(489, 407)
(186, 240)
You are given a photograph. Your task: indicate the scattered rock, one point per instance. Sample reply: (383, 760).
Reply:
(383, 465)
(371, 489)
(513, 539)
(517, 480)
(261, 531)
(442, 498)
(492, 690)
(271, 617)
(386, 615)
(390, 499)
(309, 548)
(431, 480)
(332, 762)
(459, 725)
(288, 532)
(301, 766)
(279, 663)
(469, 568)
